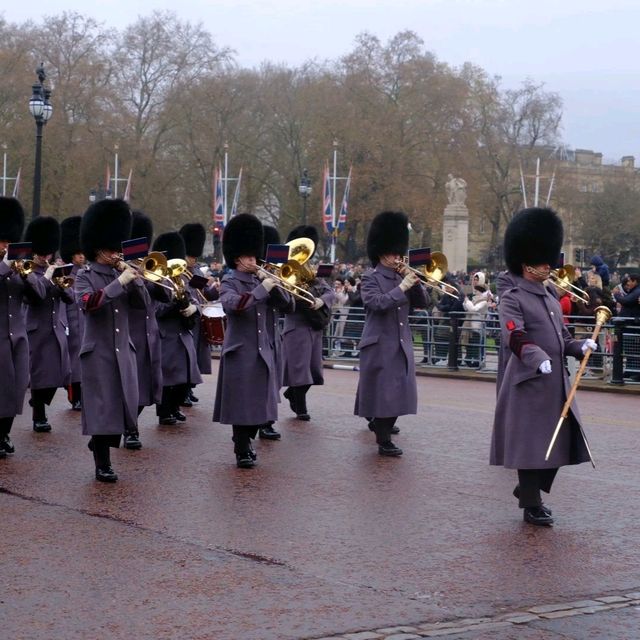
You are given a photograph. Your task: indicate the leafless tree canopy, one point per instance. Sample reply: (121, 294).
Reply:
(170, 97)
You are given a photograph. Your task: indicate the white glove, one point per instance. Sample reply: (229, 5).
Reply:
(318, 302)
(589, 344)
(189, 311)
(48, 274)
(545, 367)
(127, 276)
(409, 281)
(269, 283)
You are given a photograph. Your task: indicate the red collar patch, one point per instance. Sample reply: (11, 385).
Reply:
(511, 325)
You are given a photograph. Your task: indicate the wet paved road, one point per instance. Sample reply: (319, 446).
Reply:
(324, 537)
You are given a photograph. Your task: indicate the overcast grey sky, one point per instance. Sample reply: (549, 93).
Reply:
(587, 50)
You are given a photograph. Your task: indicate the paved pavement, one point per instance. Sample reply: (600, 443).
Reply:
(324, 538)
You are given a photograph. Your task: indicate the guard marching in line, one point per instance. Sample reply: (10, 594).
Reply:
(248, 378)
(302, 336)
(106, 289)
(50, 367)
(70, 252)
(17, 282)
(387, 385)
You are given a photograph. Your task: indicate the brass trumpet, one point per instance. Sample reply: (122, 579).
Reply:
(432, 273)
(23, 267)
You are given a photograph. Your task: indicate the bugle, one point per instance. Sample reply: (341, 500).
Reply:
(603, 314)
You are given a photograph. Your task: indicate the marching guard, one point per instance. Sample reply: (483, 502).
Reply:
(106, 289)
(248, 378)
(14, 346)
(50, 367)
(533, 384)
(70, 252)
(176, 320)
(194, 236)
(144, 332)
(302, 337)
(387, 385)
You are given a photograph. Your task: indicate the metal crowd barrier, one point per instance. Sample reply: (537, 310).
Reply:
(450, 343)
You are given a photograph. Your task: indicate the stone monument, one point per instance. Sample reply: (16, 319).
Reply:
(455, 225)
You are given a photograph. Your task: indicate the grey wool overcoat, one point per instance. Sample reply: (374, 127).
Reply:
(14, 346)
(203, 349)
(302, 344)
(387, 384)
(529, 403)
(107, 355)
(74, 321)
(248, 377)
(145, 335)
(46, 331)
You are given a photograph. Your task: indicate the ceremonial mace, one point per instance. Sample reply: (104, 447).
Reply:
(603, 314)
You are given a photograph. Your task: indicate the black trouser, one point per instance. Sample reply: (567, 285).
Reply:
(40, 398)
(382, 428)
(5, 426)
(100, 446)
(532, 481)
(242, 437)
(75, 392)
(298, 397)
(171, 398)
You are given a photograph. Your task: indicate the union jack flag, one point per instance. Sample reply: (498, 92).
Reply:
(327, 209)
(236, 195)
(218, 200)
(344, 208)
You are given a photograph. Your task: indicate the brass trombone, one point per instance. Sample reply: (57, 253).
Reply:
(294, 270)
(152, 268)
(432, 273)
(563, 279)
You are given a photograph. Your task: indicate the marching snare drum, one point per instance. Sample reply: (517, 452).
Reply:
(213, 323)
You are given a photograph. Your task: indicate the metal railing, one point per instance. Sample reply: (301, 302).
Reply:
(452, 344)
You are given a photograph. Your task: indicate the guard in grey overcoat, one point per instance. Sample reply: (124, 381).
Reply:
(247, 390)
(50, 367)
(145, 336)
(194, 236)
(302, 336)
(70, 252)
(534, 385)
(387, 384)
(106, 290)
(270, 235)
(14, 346)
(176, 320)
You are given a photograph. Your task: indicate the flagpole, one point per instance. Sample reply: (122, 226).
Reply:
(115, 180)
(4, 171)
(334, 233)
(535, 201)
(226, 176)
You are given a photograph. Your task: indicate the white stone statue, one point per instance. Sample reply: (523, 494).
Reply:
(456, 190)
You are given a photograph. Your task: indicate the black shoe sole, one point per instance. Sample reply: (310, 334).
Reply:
(108, 479)
(539, 522)
(133, 446)
(305, 417)
(390, 454)
(269, 436)
(245, 464)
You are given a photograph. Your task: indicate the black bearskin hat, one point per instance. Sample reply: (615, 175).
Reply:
(388, 233)
(70, 237)
(243, 236)
(194, 235)
(172, 244)
(534, 236)
(142, 227)
(11, 220)
(105, 225)
(271, 236)
(44, 235)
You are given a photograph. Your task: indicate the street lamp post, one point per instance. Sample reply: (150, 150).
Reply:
(304, 189)
(41, 110)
